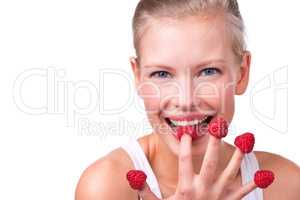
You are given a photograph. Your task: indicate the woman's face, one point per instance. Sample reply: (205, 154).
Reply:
(187, 70)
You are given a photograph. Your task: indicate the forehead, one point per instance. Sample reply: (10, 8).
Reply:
(185, 42)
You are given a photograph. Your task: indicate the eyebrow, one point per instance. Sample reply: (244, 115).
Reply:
(204, 63)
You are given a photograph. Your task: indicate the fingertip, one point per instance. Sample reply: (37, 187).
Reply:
(144, 190)
(238, 154)
(214, 140)
(186, 138)
(252, 185)
(244, 190)
(185, 144)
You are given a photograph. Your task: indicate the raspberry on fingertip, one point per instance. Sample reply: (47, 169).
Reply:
(245, 142)
(218, 127)
(136, 179)
(263, 178)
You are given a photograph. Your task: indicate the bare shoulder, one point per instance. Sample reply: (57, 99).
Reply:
(106, 178)
(287, 176)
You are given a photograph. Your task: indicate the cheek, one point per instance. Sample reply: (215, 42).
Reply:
(157, 96)
(151, 95)
(218, 95)
(226, 102)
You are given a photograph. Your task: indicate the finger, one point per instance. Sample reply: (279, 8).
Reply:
(245, 144)
(147, 194)
(210, 161)
(232, 168)
(244, 190)
(185, 164)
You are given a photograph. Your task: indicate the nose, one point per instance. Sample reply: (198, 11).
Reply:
(185, 101)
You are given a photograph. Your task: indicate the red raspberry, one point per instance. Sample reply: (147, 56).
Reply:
(190, 130)
(263, 178)
(136, 179)
(245, 142)
(218, 127)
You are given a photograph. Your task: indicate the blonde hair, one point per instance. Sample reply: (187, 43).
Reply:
(176, 9)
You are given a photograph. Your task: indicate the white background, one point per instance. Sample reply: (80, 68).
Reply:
(42, 155)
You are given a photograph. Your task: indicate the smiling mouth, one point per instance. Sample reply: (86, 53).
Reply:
(200, 125)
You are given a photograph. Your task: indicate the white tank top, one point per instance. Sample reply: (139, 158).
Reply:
(248, 167)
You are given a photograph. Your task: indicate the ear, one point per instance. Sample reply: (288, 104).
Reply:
(243, 77)
(135, 69)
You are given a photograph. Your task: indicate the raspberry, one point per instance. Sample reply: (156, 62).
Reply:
(136, 179)
(263, 178)
(190, 130)
(218, 127)
(245, 142)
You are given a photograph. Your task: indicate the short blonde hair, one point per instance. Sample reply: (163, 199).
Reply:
(155, 9)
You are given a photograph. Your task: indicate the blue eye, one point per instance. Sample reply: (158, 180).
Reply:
(160, 74)
(209, 71)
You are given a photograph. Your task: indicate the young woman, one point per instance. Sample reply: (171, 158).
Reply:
(191, 61)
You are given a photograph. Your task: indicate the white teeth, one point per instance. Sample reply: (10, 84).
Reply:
(188, 123)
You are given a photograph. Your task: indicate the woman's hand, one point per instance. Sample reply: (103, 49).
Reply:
(205, 185)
